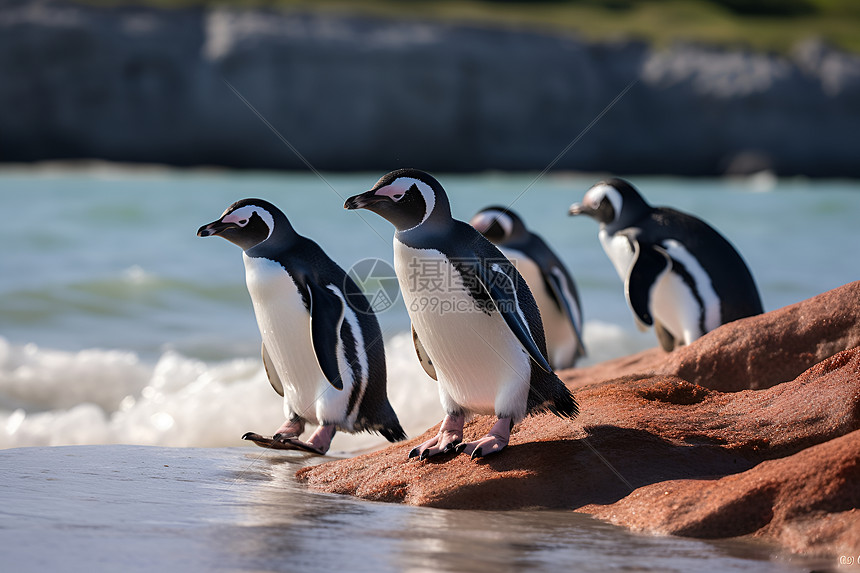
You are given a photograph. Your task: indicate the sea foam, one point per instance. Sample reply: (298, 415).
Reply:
(52, 397)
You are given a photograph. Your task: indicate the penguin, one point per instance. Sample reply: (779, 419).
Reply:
(547, 277)
(322, 345)
(680, 275)
(475, 324)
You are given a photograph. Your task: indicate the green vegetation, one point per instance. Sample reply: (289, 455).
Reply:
(774, 25)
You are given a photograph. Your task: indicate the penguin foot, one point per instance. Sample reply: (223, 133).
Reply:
(264, 442)
(449, 436)
(494, 442)
(291, 429)
(282, 443)
(318, 443)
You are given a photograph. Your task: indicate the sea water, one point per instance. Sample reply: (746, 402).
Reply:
(118, 325)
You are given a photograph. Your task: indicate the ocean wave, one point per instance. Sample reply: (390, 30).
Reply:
(51, 397)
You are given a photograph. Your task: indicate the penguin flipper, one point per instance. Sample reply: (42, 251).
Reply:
(326, 309)
(649, 264)
(271, 373)
(502, 290)
(423, 357)
(560, 291)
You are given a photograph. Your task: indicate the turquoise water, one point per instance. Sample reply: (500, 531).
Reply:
(109, 258)
(119, 326)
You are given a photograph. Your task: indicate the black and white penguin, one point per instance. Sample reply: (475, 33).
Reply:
(680, 275)
(547, 278)
(476, 327)
(322, 346)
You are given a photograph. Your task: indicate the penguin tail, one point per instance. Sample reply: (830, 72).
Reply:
(564, 404)
(559, 401)
(393, 432)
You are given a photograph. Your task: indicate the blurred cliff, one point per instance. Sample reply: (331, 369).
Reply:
(356, 92)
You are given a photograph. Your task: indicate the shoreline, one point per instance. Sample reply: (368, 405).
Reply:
(204, 509)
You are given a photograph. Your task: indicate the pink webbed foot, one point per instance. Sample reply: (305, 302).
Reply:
(265, 441)
(287, 438)
(494, 442)
(292, 428)
(318, 443)
(450, 434)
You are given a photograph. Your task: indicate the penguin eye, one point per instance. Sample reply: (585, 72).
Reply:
(243, 222)
(397, 197)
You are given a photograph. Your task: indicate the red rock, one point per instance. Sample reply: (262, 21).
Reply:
(751, 430)
(800, 500)
(761, 351)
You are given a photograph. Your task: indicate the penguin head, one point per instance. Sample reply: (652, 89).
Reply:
(613, 202)
(407, 198)
(499, 224)
(248, 223)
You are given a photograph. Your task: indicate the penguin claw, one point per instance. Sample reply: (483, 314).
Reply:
(431, 448)
(494, 442)
(451, 446)
(449, 436)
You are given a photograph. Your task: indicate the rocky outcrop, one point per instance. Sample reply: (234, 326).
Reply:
(141, 84)
(672, 443)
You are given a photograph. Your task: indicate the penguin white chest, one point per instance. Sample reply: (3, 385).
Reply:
(284, 325)
(561, 342)
(480, 364)
(619, 250)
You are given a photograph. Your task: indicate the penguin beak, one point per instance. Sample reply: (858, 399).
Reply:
(579, 209)
(214, 228)
(364, 200)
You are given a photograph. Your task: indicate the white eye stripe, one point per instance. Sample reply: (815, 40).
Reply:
(484, 220)
(504, 220)
(242, 217)
(596, 194)
(395, 191)
(398, 189)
